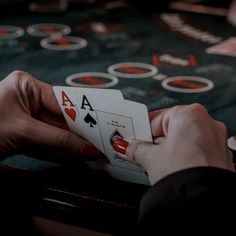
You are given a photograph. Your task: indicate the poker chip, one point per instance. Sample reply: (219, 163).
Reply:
(48, 6)
(63, 43)
(92, 79)
(232, 143)
(187, 84)
(48, 29)
(132, 70)
(10, 32)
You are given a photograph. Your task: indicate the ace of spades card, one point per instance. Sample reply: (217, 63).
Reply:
(115, 117)
(88, 121)
(86, 103)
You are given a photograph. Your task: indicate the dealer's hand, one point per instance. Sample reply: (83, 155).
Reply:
(184, 137)
(31, 122)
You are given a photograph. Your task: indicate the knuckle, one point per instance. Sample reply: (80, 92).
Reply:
(197, 113)
(133, 150)
(176, 108)
(222, 127)
(176, 111)
(189, 114)
(137, 152)
(18, 74)
(19, 80)
(197, 108)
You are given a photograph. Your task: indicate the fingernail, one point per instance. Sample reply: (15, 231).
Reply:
(120, 145)
(89, 150)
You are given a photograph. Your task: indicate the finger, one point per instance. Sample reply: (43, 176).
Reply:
(53, 119)
(153, 114)
(159, 140)
(50, 111)
(48, 98)
(220, 126)
(159, 124)
(135, 151)
(35, 93)
(52, 137)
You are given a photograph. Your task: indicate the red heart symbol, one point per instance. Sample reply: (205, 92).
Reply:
(71, 113)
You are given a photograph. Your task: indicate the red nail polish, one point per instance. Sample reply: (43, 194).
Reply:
(120, 145)
(89, 150)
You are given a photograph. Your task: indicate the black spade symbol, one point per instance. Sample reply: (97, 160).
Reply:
(90, 120)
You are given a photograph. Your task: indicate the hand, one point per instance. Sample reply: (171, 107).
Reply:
(184, 137)
(31, 122)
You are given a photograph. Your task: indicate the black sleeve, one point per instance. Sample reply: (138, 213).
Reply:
(200, 198)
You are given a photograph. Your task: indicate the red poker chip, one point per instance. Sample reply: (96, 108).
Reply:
(132, 70)
(48, 29)
(92, 79)
(63, 43)
(187, 84)
(10, 32)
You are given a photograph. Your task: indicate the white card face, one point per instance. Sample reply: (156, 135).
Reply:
(226, 48)
(75, 116)
(101, 113)
(129, 119)
(116, 125)
(66, 100)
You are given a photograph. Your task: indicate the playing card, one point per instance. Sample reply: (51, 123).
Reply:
(122, 118)
(102, 115)
(115, 125)
(69, 105)
(226, 48)
(102, 119)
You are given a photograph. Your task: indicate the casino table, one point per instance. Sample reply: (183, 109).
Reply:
(158, 57)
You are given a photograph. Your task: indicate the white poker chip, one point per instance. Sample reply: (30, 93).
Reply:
(63, 43)
(10, 32)
(232, 143)
(92, 80)
(187, 84)
(48, 29)
(132, 70)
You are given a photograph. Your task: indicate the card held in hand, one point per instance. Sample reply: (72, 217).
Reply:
(102, 115)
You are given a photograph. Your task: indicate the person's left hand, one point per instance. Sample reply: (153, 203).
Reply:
(31, 122)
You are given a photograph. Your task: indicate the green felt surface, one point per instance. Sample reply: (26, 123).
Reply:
(141, 36)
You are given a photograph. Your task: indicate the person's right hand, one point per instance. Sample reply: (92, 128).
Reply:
(184, 137)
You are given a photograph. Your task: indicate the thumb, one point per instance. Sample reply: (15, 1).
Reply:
(136, 151)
